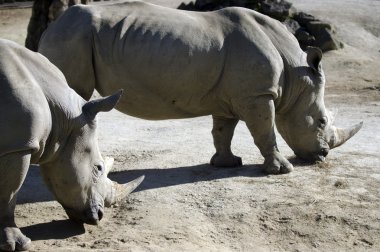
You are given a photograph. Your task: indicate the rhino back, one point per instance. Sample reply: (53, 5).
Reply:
(25, 119)
(35, 101)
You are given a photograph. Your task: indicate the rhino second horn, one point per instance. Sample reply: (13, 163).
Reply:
(123, 190)
(108, 163)
(342, 135)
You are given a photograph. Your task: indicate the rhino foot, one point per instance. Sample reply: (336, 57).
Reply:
(277, 164)
(219, 160)
(12, 239)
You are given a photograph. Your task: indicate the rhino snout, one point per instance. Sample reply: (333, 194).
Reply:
(321, 156)
(93, 215)
(314, 156)
(90, 216)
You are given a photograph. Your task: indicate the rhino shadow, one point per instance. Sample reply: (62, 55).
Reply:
(56, 230)
(34, 189)
(158, 178)
(298, 162)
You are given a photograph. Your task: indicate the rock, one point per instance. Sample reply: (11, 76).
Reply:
(207, 4)
(279, 10)
(303, 18)
(316, 27)
(242, 2)
(292, 25)
(326, 41)
(324, 35)
(316, 33)
(304, 38)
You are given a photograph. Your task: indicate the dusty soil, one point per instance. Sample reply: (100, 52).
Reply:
(186, 205)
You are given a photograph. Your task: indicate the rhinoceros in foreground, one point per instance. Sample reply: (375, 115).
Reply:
(43, 121)
(234, 64)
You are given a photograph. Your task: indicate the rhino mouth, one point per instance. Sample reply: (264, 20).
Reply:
(90, 216)
(319, 157)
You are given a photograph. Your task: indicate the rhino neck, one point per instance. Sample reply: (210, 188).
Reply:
(65, 110)
(290, 89)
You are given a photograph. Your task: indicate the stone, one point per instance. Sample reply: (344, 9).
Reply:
(303, 18)
(304, 38)
(279, 10)
(292, 25)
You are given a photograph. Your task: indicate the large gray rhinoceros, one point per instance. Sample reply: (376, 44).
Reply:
(234, 64)
(43, 121)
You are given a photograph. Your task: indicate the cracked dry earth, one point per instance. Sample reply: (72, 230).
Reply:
(186, 205)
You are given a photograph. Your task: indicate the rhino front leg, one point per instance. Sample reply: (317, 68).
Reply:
(259, 114)
(222, 132)
(13, 169)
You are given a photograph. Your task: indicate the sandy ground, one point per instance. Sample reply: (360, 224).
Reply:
(186, 205)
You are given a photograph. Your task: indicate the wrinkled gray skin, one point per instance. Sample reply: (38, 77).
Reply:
(234, 64)
(43, 121)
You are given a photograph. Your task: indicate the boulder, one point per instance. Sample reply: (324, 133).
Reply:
(292, 25)
(316, 33)
(280, 10)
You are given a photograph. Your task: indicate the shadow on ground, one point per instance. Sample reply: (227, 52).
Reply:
(35, 190)
(158, 178)
(62, 229)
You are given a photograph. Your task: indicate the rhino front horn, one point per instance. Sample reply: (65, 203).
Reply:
(342, 135)
(123, 190)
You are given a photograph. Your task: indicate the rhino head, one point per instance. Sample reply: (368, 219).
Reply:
(307, 127)
(77, 175)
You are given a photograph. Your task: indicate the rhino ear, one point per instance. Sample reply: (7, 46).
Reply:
(314, 57)
(105, 104)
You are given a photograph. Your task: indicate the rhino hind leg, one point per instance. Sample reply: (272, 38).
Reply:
(13, 169)
(258, 114)
(222, 132)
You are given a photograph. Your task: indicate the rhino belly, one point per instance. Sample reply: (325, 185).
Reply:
(151, 106)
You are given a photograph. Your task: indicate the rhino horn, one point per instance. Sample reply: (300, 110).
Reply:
(123, 190)
(108, 163)
(342, 135)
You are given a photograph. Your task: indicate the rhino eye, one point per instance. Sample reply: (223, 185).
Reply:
(99, 168)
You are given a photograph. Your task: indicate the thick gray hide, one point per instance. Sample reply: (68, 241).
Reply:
(234, 64)
(43, 121)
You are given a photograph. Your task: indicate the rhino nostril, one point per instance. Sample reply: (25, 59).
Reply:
(100, 214)
(324, 152)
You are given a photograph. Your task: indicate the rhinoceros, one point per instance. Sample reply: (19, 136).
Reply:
(43, 121)
(234, 64)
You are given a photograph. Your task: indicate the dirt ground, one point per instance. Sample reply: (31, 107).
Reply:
(186, 205)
